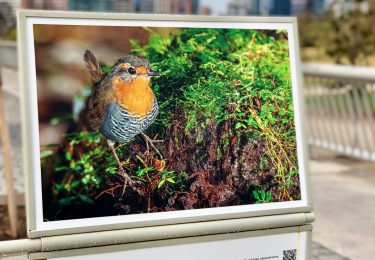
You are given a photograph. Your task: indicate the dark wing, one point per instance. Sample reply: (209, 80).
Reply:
(97, 102)
(96, 107)
(93, 66)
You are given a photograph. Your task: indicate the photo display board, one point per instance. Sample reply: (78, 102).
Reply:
(142, 120)
(285, 243)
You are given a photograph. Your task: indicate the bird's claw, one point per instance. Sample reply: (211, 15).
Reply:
(151, 142)
(127, 180)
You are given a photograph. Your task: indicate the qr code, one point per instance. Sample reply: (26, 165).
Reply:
(290, 254)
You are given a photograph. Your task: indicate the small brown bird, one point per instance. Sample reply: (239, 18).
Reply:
(122, 104)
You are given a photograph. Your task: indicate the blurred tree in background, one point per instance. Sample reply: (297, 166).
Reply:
(353, 35)
(346, 36)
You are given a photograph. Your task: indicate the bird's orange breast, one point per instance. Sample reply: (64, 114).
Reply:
(136, 96)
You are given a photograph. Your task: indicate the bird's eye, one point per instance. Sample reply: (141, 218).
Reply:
(132, 71)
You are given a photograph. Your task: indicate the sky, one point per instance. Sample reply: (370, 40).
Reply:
(217, 6)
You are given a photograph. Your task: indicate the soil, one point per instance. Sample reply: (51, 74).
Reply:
(222, 168)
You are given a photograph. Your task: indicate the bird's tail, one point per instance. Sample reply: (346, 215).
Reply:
(93, 66)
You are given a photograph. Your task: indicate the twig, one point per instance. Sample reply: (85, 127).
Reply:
(110, 191)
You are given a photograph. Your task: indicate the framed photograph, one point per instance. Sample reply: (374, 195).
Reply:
(141, 120)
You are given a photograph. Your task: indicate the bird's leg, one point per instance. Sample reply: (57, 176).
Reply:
(123, 173)
(151, 142)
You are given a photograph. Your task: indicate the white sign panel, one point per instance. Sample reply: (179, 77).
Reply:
(287, 246)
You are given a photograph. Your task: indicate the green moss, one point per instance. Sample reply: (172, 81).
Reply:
(228, 74)
(207, 70)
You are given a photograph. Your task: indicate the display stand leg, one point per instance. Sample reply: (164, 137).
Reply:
(5, 141)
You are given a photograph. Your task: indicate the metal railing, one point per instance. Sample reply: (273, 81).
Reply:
(340, 104)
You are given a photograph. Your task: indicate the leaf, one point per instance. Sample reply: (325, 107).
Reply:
(59, 187)
(52, 145)
(66, 201)
(263, 195)
(256, 195)
(239, 125)
(252, 122)
(161, 184)
(111, 170)
(55, 121)
(148, 169)
(268, 196)
(159, 165)
(84, 181)
(73, 165)
(68, 156)
(45, 153)
(165, 174)
(75, 183)
(86, 199)
(170, 180)
(61, 168)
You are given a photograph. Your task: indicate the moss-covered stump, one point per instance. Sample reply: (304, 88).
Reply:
(227, 128)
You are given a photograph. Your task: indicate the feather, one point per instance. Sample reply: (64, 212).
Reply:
(93, 66)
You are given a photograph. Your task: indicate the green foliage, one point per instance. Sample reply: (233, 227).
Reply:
(81, 172)
(105, 68)
(169, 180)
(261, 196)
(167, 177)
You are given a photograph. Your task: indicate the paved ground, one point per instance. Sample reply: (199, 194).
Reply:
(320, 252)
(342, 190)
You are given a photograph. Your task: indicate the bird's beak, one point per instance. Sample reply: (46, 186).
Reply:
(153, 73)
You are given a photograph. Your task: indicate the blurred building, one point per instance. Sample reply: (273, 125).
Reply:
(7, 17)
(13, 4)
(123, 6)
(45, 4)
(298, 6)
(191, 7)
(280, 7)
(146, 6)
(140, 6)
(205, 10)
(254, 7)
(318, 6)
(260, 7)
(162, 6)
(7, 12)
(184, 6)
(243, 7)
(84, 5)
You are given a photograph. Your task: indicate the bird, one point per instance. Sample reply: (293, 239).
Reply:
(122, 103)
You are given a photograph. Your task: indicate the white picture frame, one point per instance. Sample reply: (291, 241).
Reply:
(37, 227)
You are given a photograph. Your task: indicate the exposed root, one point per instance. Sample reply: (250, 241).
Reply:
(110, 191)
